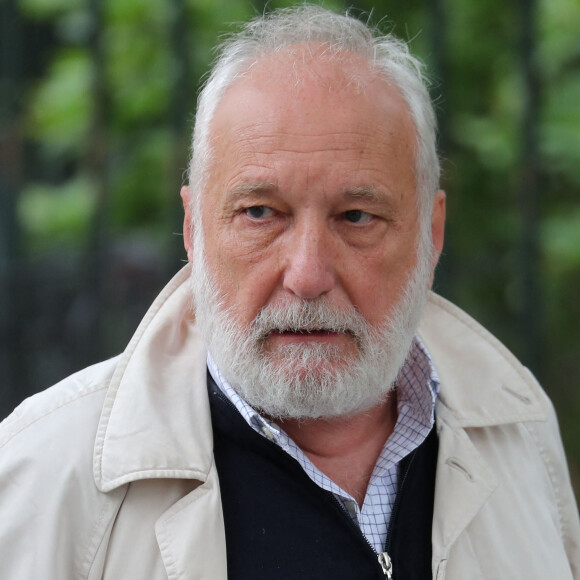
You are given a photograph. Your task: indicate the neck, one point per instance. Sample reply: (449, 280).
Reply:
(346, 449)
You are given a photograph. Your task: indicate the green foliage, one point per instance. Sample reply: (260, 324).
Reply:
(559, 57)
(561, 242)
(492, 139)
(558, 22)
(561, 128)
(42, 9)
(139, 63)
(53, 216)
(60, 109)
(137, 198)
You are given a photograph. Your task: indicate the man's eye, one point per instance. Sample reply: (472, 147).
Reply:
(259, 212)
(357, 216)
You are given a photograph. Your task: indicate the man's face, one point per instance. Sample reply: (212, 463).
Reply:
(311, 200)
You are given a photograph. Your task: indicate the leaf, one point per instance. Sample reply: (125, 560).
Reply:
(61, 107)
(52, 215)
(560, 237)
(44, 9)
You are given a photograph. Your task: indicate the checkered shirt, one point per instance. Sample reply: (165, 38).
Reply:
(417, 390)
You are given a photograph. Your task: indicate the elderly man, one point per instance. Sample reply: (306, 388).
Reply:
(323, 416)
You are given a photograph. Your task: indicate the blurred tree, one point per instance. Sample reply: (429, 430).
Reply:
(11, 164)
(97, 167)
(531, 305)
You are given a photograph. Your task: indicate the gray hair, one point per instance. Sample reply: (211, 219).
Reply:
(283, 28)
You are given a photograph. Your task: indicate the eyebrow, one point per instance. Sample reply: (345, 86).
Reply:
(251, 189)
(369, 194)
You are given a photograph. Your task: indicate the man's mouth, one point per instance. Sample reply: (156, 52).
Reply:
(297, 335)
(306, 331)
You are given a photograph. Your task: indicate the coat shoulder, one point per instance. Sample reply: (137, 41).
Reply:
(495, 416)
(482, 382)
(80, 393)
(47, 488)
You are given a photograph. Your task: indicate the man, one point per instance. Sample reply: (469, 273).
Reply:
(323, 416)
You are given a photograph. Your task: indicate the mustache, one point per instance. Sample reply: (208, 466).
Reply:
(307, 316)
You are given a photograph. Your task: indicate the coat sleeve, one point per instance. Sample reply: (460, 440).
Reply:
(549, 443)
(52, 517)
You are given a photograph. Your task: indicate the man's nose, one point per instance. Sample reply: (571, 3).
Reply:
(309, 271)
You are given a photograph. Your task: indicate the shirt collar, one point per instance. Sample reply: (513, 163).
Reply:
(417, 390)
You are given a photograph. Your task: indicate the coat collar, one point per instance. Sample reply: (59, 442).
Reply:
(156, 420)
(482, 383)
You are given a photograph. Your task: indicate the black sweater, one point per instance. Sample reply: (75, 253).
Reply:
(280, 525)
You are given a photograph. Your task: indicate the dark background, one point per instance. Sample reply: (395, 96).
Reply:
(97, 100)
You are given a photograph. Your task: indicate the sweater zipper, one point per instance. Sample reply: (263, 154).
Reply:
(383, 558)
(396, 505)
(386, 565)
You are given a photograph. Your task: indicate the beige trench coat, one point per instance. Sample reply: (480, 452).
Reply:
(110, 474)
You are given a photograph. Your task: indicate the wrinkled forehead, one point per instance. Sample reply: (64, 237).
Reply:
(313, 80)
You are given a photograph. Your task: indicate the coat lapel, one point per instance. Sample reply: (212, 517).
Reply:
(464, 483)
(191, 535)
(482, 386)
(156, 421)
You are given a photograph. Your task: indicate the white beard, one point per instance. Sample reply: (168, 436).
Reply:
(309, 380)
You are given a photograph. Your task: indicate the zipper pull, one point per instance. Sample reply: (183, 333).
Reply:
(386, 565)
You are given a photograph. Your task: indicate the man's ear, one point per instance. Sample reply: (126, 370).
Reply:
(187, 222)
(438, 225)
